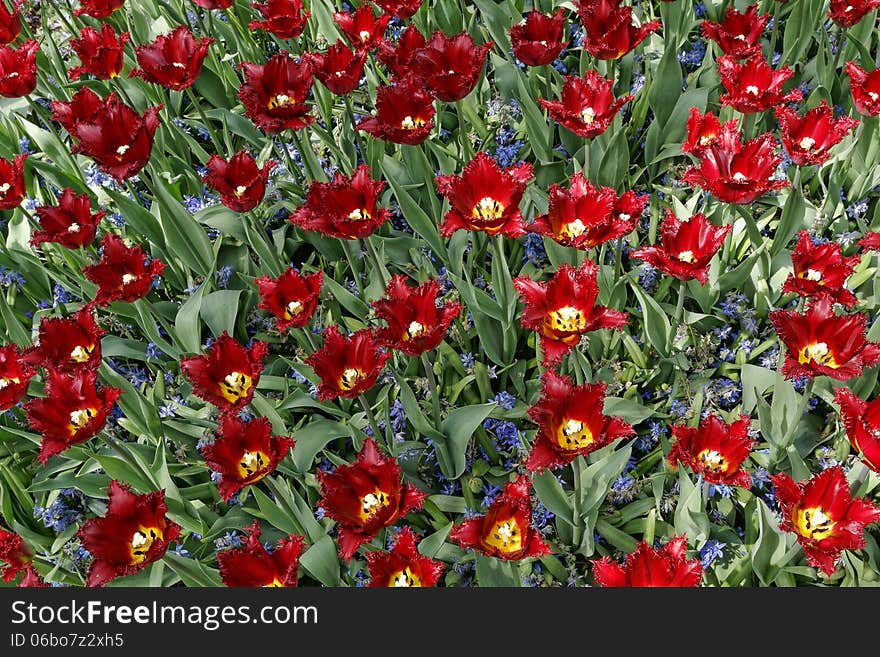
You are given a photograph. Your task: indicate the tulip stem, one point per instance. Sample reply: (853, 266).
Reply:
(839, 32)
(432, 385)
(371, 420)
(210, 128)
(377, 263)
(679, 313)
(802, 406)
(357, 133)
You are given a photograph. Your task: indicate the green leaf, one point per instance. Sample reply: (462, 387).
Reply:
(458, 427)
(492, 572)
(183, 235)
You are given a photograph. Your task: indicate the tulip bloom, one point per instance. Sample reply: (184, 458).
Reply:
(753, 86)
(416, 323)
(18, 69)
(686, 247)
(239, 181)
(292, 298)
(739, 34)
(702, 131)
(862, 422)
(865, 89)
(450, 65)
(609, 32)
(70, 223)
(274, 94)
(32, 580)
(361, 27)
(348, 366)
(401, 9)
(734, 172)
(485, 197)
(819, 342)
(584, 216)
(715, 450)
(648, 566)
(824, 516)
(15, 375)
(286, 19)
(214, 4)
(68, 345)
(847, 13)
(73, 410)
(228, 374)
(173, 60)
(339, 69)
(404, 114)
(244, 452)
(85, 107)
(10, 22)
(398, 57)
(347, 208)
(12, 182)
(564, 309)
(506, 530)
(587, 106)
(820, 270)
(403, 566)
(254, 566)
(134, 533)
(13, 554)
(123, 274)
(570, 422)
(366, 496)
(100, 53)
(98, 8)
(870, 241)
(809, 139)
(539, 39)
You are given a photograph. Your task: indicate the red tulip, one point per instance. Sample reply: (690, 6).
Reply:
(339, 69)
(734, 172)
(702, 131)
(228, 374)
(70, 223)
(648, 566)
(820, 270)
(819, 342)
(539, 39)
(73, 410)
(570, 422)
(361, 27)
(564, 309)
(715, 450)
(32, 580)
(739, 34)
(847, 13)
(686, 247)
(809, 139)
(347, 208)
(609, 32)
(824, 516)
(100, 53)
(85, 107)
(403, 566)
(416, 323)
(584, 216)
(123, 274)
(862, 422)
(244, 452)
(15, 375)
(401, 9)
(753, 86)
(239, 181)
(865, 89)
(13, 553)
(12, 182)
(18, 69)
(506, 530)
(485, 197)
(98, 8)
(253, 565)
(450, 66)
(274, 94)
(404, 114)
(366, 496)
(133, 533)
(292, 298)
(286, 19)
(871, 241)
(68, 345)
(214, 4)
(398, 58)
(173, 60)
(587, 106)
(10, 22)
(348, 366)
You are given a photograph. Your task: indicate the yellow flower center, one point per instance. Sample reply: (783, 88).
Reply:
(292, 309)
(574, 434)
(274, 584)
(813, 523)
(128, 278)
(142, 541)
(122, 150)
(807, 143)
(687, 256)
(568, 319)
(372, 503)
(414, 330)
(712, 461)
(410, 123)
(9, 382)
(81, 353)
(241, 189)
(752, 89)
(360, 214)
(404, 579)
(178, 64)
(573, 229)
(235, 386)
(818, 352)
(811, 275)
(279, 100)
(80, 418)
(588, 115)
(487, 209)
(705, 140)
(5, 187)
(505, 536)
(73, 228)
(252, 463)
(364, 35)
(351, 376)
(739, 176)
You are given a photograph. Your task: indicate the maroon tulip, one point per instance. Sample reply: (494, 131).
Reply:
(820, 270)
(292, 298)
(753, 86)
(15, 375)
(123, 274)
(274, 94)
(228, 374)
(702, 131)
(70, 344)
(173, 60)
(362, 28)
(70, 223)
(98, 8)
(12, 182)
(401, 9)
(10, 23)
(398, 58)
(239, 181)
(450, 66)
(348, 365)
(587, 106)
(286, 19)
(101, 53)
(253, 565)
(865, 89)
(18, 69)
(809, 139)
(609, 32)
(214, 4)
(404, 114)
(847, 13)
(739, 34)
(539, 39)
(339, 69)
